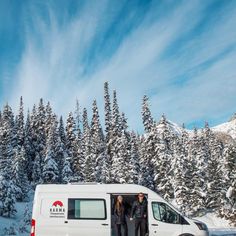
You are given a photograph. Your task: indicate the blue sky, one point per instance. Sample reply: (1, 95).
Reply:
(182, 54)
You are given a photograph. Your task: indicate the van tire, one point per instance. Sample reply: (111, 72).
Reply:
(186, 235)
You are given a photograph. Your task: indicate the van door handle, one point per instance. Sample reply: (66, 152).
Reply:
(105, 224)
(154, 224)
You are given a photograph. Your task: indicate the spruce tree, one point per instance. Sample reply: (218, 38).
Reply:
(146, 115)
(89, 165)
(20, 175)
(71, 140)
(50, 165)
(134, 167)
(7, 196)
(20, 125)
(97, 143)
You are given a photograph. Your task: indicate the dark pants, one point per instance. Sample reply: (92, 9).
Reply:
(140, 223)
(125, 229)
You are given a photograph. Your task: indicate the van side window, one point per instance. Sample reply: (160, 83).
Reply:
(89, 209)
(164, 213)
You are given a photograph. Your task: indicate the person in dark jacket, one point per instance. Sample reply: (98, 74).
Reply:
(139, 213)
(120, 212)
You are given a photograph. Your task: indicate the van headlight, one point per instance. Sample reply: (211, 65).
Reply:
(201, 226)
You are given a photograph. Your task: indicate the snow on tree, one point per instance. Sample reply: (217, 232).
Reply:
(50, 166)
(7, 139)
(146, 115)
(71, 140)
(89, 162)
(7, 196)
(37, 170)
(20, 175)
(196, 196)
(180, 170)
(77, 115)
(20, 125)
(107, 110)
(38, 137)
(148, 159)
(26, 221)
(61, 131)
(213, 172)
(97, 143)
(49, 118)
(228, 203)
(67, 173)
(28, 146)
(134, 167)
(163, 161)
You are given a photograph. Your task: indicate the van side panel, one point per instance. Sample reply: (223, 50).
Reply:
(50, 211)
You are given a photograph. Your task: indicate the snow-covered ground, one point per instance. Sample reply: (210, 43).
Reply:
(217, 225)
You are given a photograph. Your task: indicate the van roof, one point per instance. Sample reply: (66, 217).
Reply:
(95, 187)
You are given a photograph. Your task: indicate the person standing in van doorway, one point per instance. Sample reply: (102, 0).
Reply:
(139, 213)
(120, 216)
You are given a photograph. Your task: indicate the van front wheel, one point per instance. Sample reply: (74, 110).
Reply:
(186, 235)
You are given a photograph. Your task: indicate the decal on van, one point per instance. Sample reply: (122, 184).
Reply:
(57, 210)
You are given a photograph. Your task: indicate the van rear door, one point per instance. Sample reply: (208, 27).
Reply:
(49, 214)
(88, 214)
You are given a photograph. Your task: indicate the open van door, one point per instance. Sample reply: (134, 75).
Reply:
(163, 220)
(89, 215)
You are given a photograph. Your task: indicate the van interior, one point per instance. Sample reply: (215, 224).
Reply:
(128, 200)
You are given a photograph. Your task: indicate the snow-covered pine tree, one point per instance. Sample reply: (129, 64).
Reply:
(38, 135)
(61, 131)
(49, 118)
(146, 115)
(107, 111)
(77, 116)
(97, 143)
(26, 220)
(107, 165)
(71, 140)
(147, 158)
(67, 173)
(37, 177)
(213, 152)
(134, 167)
(89, 165)
(20, 132)
(7, 196)
(196, 196)
(20, 175)
(115, 140)
(228, 203)
(7, 140)
(50, 164)
(180, 180)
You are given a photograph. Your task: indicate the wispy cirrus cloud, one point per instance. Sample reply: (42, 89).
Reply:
(181, 54)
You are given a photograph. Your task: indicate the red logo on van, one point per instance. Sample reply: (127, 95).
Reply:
(57, 203)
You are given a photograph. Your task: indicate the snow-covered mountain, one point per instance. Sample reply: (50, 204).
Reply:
(225, 131)
(228, 128)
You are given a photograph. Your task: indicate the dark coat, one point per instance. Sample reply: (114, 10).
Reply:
(139, 210)
(120, 215)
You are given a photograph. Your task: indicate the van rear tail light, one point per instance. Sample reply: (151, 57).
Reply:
(32, 228)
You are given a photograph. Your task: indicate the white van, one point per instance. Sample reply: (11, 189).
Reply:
(87, 210)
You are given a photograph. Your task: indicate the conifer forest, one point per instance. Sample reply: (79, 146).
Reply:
(194, 169)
